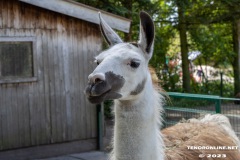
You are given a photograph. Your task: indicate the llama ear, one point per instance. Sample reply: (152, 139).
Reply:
(146, 33)
(110, 36)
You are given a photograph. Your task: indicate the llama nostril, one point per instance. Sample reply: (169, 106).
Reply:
(97, 78)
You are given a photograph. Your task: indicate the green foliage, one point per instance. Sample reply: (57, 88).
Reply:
(126, 8)
(213, 88)
(209, 30)
(111, 6)
(161, 45)
(108, 109)
(214, 42)
(190, 103)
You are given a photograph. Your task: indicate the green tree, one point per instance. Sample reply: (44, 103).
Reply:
(210, 26)
(126, 8)
(182, 27)
(224, 16)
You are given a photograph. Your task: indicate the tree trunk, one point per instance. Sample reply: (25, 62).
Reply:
(236, 59)
(182, 27)
(128, 4)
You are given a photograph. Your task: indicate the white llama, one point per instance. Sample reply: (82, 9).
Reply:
(122, 74)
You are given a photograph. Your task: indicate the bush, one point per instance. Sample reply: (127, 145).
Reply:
(108, 109)
(214, 88)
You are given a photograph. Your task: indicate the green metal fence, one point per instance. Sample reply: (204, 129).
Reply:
(184, 106)
(231, 108)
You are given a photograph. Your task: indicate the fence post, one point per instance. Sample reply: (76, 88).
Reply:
(100, 117)
(164, 120)
(221, 84)
(218, 105)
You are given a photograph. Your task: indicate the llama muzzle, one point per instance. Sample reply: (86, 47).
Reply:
(103, 87)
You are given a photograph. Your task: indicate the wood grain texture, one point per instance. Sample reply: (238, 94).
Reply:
(52, 108)
(81, 11)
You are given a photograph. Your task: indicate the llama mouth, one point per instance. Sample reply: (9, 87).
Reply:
(98, 98)
(108, 95)
(105, 90)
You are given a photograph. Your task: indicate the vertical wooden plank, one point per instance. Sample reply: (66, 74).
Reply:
(1, 14)
(30, 106)
(42, 119)
(71, 76)
(23, 115)
(56, 110)
(36, 108)
(97, 40)
(85, 71)
(20, 98)
(9, 14)
(66, 71)
(81, 116)
(1, 117)
(29, 102)
(96, 50)
(16, 16)
(1, 98)
(78, 91)
(93, 50)
(45, 76)
(4, 14)
(34, 115)
(54, 79)
(40, 86)
(13, 109)
(50, 81)
(4, 110)
(61, 80)
(60, 104)
(27, 14)
(12, 118)
(77, 78)
(39, 24)
(7, 119)
(53, 108)
(89, 60)
(4, 117)
(93, 108)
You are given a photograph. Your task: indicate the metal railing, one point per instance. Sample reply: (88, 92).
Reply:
(183, 106)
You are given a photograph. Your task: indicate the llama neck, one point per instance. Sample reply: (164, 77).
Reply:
(137, 127)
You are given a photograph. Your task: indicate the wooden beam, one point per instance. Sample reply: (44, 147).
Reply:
(81, 11)
(53, 150)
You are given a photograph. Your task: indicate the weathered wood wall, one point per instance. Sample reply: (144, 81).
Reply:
(53, 109)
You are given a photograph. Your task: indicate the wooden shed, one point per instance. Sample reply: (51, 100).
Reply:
(46, 53)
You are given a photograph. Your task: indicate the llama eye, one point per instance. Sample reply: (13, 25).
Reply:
(134, 64)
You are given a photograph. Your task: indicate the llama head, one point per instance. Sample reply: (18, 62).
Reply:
(123, 68)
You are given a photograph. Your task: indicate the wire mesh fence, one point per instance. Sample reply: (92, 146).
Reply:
(231, 108)
(183, 106)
